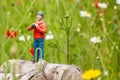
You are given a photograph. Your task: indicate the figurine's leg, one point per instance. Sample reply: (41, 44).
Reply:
(41, 45)
(35, 47)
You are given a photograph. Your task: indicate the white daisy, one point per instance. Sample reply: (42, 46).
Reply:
(85, 14)
(102, 5)
(49, 36)
(22, 38)
(117, 1)
(95, 40)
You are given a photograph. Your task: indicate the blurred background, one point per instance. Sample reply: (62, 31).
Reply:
(81, 32)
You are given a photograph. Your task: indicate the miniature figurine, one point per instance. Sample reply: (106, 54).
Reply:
(39, 28)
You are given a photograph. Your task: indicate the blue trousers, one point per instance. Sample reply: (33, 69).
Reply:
(38, 48)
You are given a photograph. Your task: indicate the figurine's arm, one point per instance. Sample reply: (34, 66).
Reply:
(42, 29)
(31, 27)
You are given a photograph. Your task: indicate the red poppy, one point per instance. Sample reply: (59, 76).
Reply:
(11, 34)
(31, 51)
(96, 3)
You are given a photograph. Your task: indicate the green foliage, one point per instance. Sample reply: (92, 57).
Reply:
(64, 21)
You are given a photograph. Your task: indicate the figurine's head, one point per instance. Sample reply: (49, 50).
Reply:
(40, 15)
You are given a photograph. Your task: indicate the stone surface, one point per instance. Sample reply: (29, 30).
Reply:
(41, 70)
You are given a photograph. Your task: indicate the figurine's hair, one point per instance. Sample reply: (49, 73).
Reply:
(41, 13)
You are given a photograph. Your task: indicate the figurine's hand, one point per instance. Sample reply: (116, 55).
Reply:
(33, 25)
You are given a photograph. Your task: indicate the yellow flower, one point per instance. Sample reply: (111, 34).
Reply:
(91, 74)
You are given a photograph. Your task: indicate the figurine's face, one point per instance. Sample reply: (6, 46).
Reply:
(39, 18)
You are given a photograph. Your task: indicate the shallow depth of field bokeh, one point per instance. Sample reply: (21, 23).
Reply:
(93, 28)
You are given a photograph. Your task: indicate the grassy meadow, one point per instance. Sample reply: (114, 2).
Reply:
(83, 33)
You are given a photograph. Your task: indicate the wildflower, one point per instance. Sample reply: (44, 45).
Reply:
(100, 13)
(97, 57)
(22, 38)
(101, 19)
(98, 4)
(90, 74)
(11, 34)
(28, 37)
(102, 5)
(95, 40)
(115, 7)
(117, 1)
(49, 36)
(106, 73)
(85, 14)
(31, 51)
(78, 29)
